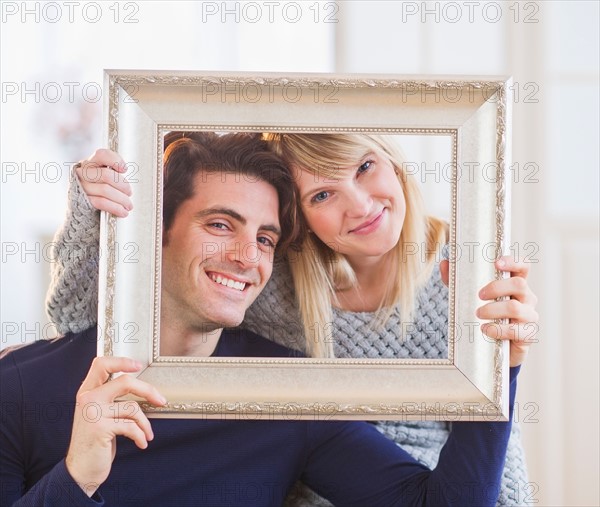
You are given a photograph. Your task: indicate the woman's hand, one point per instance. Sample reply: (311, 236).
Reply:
(102, 179)
(519, 309)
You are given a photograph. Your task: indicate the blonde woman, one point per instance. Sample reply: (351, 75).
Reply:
(362, 211)
(351, 290)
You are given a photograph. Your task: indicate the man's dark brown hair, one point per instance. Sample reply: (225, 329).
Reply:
(188, 154)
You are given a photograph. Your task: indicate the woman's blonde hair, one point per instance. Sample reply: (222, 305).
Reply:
(318, 270)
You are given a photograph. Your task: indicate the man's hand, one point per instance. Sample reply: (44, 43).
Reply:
(99, 419)
(101, 177)
(519, 309)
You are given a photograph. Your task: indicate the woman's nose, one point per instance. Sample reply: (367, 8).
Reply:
(359, 203)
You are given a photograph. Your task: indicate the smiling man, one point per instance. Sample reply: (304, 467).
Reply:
(219, 242)
(229, 207)
(216, 260)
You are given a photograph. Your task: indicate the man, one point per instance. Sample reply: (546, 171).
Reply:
(61, 439)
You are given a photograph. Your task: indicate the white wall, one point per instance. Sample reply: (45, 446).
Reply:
(549, 47)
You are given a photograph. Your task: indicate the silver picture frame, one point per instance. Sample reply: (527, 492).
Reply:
(474, 111)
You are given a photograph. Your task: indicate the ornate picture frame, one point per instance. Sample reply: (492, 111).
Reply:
(474, 112)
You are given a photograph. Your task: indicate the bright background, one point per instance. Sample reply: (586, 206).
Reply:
(53, 54)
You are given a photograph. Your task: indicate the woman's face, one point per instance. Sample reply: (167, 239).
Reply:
(360, 211)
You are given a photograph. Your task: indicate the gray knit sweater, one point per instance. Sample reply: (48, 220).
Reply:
(72, 306)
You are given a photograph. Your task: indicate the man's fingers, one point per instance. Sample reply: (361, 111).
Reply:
(508, 309)
(130, 412)
(127, 428)
(97, 392)
(127, 384)
(102, 367)
(515, 287)
(98, 418)
(507, 263)
(520, 336)
(119, 418)
(519, 333)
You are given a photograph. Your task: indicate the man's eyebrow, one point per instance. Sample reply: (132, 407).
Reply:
(236, 216)
(271, 228)
(221, 211)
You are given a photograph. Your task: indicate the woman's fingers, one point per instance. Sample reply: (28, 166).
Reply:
(102, 179)
(107, 198)
(104, 157)
(92, 176)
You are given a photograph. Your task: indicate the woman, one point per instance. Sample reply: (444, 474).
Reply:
(361, 211)
(354, 270)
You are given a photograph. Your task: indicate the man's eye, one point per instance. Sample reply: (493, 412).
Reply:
(364, 167)
(218, 225)
(265, 240)
(320, 197)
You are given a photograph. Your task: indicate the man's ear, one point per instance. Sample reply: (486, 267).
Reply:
(165, 236)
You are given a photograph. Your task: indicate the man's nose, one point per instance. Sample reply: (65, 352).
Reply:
(243, 251)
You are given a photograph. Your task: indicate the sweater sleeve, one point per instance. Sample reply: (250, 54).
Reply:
(56, 488)
(358, 466)
(72, 298)
(515, 485)
(275, 314)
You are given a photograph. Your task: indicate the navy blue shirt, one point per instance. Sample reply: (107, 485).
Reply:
(195, 462)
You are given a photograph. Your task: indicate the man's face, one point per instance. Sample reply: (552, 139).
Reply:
(219, 251)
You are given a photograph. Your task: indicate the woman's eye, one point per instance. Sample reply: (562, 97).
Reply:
(320, 197)
(364, 167)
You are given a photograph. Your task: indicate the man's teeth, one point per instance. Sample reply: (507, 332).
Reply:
(227, 282)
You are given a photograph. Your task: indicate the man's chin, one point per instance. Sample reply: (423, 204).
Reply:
(229, 321)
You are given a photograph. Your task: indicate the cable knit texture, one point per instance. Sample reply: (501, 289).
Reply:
(72, 305)
(72, 298)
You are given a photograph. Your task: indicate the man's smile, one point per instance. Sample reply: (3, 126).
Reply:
(227, 281)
